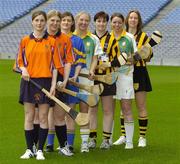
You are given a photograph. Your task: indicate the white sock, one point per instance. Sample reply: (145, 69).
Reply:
(84, 135)
(129, 129)
(112, 129)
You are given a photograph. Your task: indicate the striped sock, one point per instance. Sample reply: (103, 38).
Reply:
(93, 133)
(143, 122)
(123, 133)
(84, 135)
(106, 135)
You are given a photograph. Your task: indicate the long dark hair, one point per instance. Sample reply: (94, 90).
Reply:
(139, 26)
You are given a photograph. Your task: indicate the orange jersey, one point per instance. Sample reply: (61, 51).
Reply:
(64, 50)
(38, 56)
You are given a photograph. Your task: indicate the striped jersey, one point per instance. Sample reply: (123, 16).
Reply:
(141, 39)
(110, 49)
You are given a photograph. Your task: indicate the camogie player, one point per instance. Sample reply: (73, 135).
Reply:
(64, 47)
(111, 50)
(36, 58)
(124, 83)
(68, 26)
(142, 83)
(92, 50)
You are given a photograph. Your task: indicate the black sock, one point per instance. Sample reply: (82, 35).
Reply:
(29, 134)
(36, 133)
(61, 133)
(42, 137)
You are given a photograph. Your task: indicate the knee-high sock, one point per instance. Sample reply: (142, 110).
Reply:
(61, 133)
(129, 129)
(70, 137)
(143, 123)
(36, 133)
(29, 135)
(123, 133)
(93, 133)
(42, 137)
(84, 135)
(50, 138)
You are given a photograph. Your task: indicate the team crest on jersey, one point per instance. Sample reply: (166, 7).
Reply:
(88, 44)
(124, 44)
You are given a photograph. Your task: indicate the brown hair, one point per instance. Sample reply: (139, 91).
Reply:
(65, 14)
(119, 15)
(37, 13)
(52, 13)
(101, 14)
(139, 26)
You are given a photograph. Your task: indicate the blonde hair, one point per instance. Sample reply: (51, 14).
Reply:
(82, 13)
(52, 13)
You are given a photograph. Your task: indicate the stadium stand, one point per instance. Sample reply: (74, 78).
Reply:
(167, 53)
(10, 35)
(13, 9)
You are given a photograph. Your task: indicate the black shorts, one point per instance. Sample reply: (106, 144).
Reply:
(31, 94)
(141, 79)
(109, 90)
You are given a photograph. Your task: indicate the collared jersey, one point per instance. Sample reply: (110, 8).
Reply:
(64, 50)
(141, 39)
(38, 56)
(92, 47)
(127, 44)
(78, 52)
(110, 49)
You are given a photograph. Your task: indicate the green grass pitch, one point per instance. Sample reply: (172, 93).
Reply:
(163, 134)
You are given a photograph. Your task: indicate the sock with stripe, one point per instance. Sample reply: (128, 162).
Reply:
(84, 135)
(123, 133)
(143, 122)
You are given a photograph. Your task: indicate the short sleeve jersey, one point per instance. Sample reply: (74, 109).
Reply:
(142, 39)
(64, 50)
(110, 49)
(78, 52)
(38, 56)
(127, 44)
(92, 47)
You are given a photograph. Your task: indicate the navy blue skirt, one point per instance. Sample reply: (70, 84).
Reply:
(31, 94)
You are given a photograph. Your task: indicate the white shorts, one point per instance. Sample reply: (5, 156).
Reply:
(124, 87)
(84, 80)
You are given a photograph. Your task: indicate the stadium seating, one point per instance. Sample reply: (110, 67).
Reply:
(10, 36)
(168, 51)
(13, 9)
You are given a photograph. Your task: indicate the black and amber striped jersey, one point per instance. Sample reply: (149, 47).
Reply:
(110, 49)
(141, 39)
